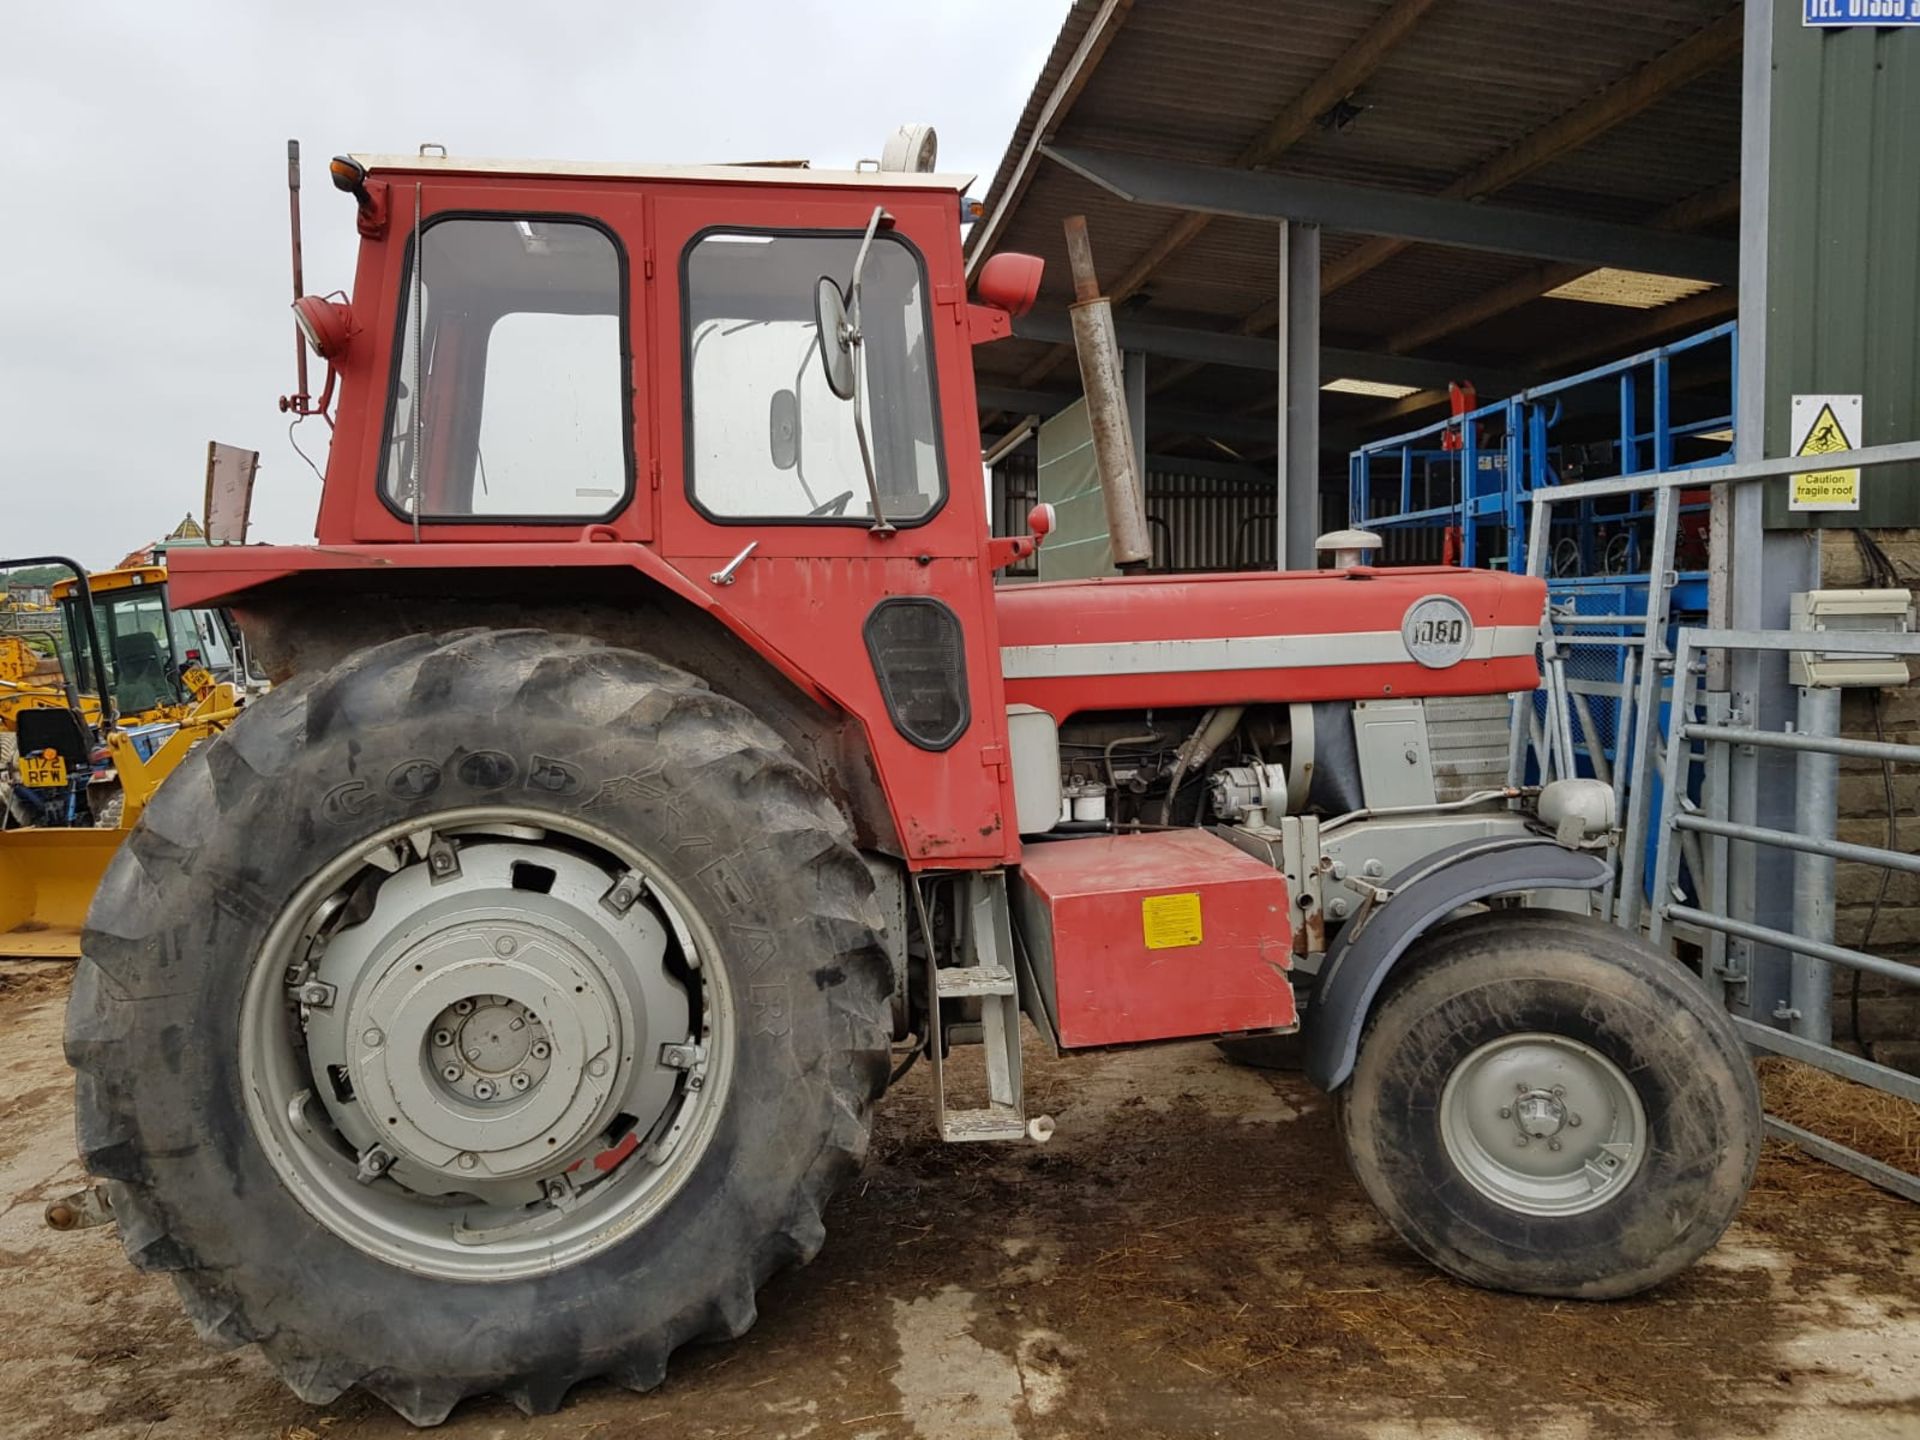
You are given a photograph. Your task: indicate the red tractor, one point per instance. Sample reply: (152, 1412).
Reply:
(654, 761)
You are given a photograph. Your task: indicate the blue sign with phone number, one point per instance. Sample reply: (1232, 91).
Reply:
(1839, 13)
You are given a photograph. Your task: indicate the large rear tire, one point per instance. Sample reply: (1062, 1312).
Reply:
(492, 1012)
(1546, 1105)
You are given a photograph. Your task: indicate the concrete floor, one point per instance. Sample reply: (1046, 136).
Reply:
(1186, 1258)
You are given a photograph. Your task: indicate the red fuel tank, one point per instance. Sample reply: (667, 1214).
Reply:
(1158, 936)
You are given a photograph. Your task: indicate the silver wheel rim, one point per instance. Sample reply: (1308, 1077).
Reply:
(1543, 1124)
(486, 1044)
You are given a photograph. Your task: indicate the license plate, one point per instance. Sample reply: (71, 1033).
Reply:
(43, 772)
(197, 681)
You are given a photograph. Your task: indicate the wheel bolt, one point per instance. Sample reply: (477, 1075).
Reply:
(467, 1160)
(1506, 1112)
(1553, 1144)
(443, 1038)
(1573, 1119)
(541, 1050)
(597, 1068)
(483, 1090)
(1559, 1092)
(505, 945)
(463, 1007)
(1520, 1087)
(521, 1080)
(373, 1039)
(1521, 1141)
(451, 1072)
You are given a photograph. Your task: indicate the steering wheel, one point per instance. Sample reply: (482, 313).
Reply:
(836, 506)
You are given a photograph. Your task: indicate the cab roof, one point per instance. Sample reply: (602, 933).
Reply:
(764, 174)
(123, 577)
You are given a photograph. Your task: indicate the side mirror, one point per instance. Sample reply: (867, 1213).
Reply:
(783, 429)
(836, 336)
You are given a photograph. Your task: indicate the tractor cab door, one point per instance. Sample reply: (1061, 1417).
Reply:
(764, 498)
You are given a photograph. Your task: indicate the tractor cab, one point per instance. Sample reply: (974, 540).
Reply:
(744, 396)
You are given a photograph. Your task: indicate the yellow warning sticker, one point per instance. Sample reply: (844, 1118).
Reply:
(1170, 921)
(1825, 425)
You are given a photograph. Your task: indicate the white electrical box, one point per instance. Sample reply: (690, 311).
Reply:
(1888, 611)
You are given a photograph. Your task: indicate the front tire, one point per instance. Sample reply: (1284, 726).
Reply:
(1545, 1105)
(601, 1011)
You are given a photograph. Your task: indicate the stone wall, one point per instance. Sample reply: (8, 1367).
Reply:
(1889, 1014)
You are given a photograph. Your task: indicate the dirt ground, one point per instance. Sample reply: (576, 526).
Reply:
(1186, 1258)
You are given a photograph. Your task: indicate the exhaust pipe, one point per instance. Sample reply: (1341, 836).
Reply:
(1105, 387)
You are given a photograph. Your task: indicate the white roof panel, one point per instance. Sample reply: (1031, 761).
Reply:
(728, 174)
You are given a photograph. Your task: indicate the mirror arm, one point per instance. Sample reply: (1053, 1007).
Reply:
(881, 525)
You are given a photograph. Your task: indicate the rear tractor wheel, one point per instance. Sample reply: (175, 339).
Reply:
(487, 1014)
(1543, 1104)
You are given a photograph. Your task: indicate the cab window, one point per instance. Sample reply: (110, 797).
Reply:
(767, 439)
(137, 649)
(522, 361)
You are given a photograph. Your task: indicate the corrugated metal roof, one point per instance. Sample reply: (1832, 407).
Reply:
(1201, 80)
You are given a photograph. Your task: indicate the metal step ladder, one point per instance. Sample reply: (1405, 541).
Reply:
(986, 935)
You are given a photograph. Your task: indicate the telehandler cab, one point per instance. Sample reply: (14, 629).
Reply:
(499, 1002)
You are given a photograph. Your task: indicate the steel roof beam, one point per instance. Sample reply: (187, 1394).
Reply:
(1023, 401)
(1248, 352)
(1369, 210)
(1340, 80)
(1696, 212)
(1707, 208)
(1200, 468)
(1653, 82)
(1696, 310)
(1073, 79)
(1355, 66)
(1705, 309)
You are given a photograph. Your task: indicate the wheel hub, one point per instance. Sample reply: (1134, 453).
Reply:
(493, 1042)
(1543, 1124)
(1539, 1115)
(492, 1020)
(529, 1066)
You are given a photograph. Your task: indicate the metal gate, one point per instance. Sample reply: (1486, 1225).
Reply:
(1817, 748)
(1679, 735)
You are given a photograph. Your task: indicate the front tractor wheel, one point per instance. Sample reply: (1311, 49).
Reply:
(1542, 1104)
(488, 1014)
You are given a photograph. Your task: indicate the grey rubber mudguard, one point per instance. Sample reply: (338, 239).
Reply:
(1366, 951)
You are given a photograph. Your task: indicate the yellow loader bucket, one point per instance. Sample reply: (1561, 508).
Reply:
(47, 880)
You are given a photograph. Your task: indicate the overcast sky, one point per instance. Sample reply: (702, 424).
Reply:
(144, 273)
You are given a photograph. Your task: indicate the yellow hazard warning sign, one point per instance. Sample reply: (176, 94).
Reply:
(1170, 921)
(1825, 425)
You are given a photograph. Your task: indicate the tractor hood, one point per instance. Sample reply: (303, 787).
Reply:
(1186, 640)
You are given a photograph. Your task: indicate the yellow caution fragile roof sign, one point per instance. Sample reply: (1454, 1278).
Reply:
(1825, 425)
